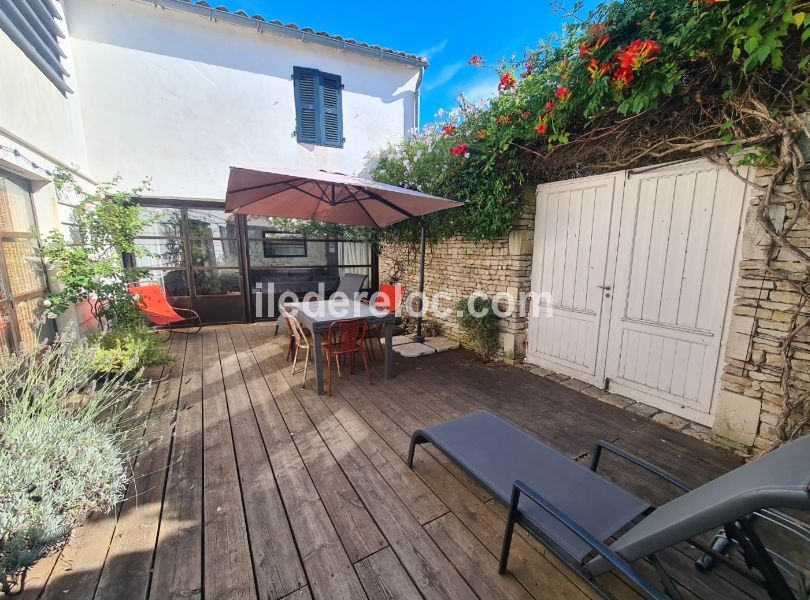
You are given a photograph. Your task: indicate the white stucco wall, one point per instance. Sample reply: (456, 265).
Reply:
(179, 98)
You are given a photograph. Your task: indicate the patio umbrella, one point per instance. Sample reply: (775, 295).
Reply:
(332, 198)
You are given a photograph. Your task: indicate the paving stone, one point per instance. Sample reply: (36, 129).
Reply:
(558, 377)
(643, 410)
(700, 432)
(669, 420)
(414, 349)
(575, 384)
(617, 400)
(442, 344)
(539, 370)
(594, 392)
(398, 340)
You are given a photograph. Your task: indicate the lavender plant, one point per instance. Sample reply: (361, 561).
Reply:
(65, 437)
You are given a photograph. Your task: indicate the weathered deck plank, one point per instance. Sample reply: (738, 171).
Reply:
(327, 565)
(428, 567)
(274, 493)
(384, 577)
(127, 568)
(357, 530)
(178, 557)
(75, 575)
(227, 568)
(276, 564)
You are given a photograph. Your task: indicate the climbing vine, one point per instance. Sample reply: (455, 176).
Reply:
(629, 84)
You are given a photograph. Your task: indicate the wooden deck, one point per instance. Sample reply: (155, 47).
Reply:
(253, 488)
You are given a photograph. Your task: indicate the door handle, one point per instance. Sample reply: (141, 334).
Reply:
(604, 287)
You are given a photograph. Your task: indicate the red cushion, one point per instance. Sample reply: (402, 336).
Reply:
(153, 302)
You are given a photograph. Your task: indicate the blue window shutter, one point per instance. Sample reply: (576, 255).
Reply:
(307, 113)
(332, 114)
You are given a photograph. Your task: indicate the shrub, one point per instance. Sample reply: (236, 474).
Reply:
(63, 451)
(88, 263)
(480, 325)
(128, 350)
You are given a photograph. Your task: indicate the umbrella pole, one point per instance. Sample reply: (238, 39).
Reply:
(418, 337)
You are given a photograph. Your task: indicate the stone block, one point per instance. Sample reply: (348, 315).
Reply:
(669, 420)
(738, 345)
(742, 324)
(643, 410)
(617, 400)
(413, 349)
(737, 417)
(521, 241)
(575, 384)
(442, 344)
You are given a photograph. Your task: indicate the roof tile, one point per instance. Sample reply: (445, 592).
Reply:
(323, 34)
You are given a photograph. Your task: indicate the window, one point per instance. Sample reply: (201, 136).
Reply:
(284, 245)
(31, 25)
(23, 283)
(318, 107)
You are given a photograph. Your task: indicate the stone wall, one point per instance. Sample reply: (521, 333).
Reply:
(459, 267)
(749, 403)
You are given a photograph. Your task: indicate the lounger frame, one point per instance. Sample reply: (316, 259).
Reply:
(741, 533)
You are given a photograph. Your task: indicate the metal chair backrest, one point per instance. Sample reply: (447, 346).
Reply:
(390, 296)
(346, 336)
(296, 330)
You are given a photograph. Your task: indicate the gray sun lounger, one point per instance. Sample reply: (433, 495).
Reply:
(350, 284)
(595, 526)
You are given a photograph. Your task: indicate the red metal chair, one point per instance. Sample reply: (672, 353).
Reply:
(389, 298)
(151, 299)
(345, 339)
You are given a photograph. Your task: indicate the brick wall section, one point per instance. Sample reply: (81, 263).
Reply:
(749, 403)
(460, 267)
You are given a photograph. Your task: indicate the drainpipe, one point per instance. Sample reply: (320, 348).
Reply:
(417, 98)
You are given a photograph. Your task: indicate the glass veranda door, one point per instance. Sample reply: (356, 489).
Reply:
(193, 252)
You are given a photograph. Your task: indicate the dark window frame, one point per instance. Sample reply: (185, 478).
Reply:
(269, 243)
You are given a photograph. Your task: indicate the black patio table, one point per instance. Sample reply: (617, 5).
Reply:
(318, 316)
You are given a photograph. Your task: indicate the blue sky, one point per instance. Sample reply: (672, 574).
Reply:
(447, 32)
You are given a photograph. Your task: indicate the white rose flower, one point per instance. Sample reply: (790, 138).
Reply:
(51, 315)
(47, 303)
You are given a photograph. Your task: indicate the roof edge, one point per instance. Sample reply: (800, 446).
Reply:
(258, 23)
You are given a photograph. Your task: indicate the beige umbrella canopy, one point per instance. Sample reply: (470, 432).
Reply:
(327, 197)
(331, 198)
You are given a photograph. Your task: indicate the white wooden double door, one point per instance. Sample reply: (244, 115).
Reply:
(638, 269)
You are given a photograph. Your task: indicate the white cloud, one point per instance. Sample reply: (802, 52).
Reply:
(444, 75)
(485, 86)
(433, 50)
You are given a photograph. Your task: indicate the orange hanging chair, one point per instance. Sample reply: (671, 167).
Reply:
(151, 299)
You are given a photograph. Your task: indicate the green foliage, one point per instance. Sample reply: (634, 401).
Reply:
(672, 76)
(689, 40)
(480, 325)
(127, 350)
(486, 179)
(89, 266)
(63, 450)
